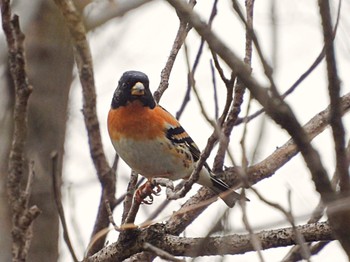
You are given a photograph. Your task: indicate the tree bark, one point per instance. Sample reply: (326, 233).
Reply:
(50, 63)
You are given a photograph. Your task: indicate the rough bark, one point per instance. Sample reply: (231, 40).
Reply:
(50, 64)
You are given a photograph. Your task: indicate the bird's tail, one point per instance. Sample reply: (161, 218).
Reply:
(229, 196)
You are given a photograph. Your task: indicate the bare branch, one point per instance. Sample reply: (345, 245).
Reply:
(178, 42)
(302, 77)
(238, 93)
(284, 153)
(56, 183)
(275, 107)
(334, 94)
(186, 99)
(161, 253)
(22, 215)
(264, 169)
(128, 200)
(101, 12)
(193, 247)
(84, 63)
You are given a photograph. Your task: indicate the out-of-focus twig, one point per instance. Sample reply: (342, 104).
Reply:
(294, 254)
(334, 94)
(56, 181)
(100, 12)
(338, 220)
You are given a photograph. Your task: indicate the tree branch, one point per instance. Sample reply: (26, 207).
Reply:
(84, 63)
(178, 42)
(275, 107)
(193, 247)
(339, 220)
(22, 215)
(264, 169)
(334, 94)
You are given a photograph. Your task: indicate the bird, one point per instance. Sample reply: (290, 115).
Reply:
(152, 141)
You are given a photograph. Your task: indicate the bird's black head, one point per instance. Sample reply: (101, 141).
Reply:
(133, 85)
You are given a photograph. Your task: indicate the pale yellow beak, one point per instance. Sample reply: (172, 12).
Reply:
(138, 89)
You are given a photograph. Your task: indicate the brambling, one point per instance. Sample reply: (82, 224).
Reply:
(151, 141)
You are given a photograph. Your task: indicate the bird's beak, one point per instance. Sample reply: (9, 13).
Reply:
(138, 89)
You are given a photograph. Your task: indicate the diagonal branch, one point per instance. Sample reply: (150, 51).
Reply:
(275, 107)
(178, 42)
(264, 169)
(84, 63)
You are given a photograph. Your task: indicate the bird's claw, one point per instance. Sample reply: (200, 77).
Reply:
(147, 190)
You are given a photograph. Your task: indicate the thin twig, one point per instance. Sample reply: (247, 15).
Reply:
(316, 215)
(110, 216)
(216, 101)
(289, 216)
(264, 169)
(56, 184)
(256, 243)
(107, 10)
(128, 200)
(302, 77)
(239, 91)
(186, 98)
(250, 30)
(178, 42)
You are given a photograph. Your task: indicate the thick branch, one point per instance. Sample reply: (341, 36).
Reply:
(209, 246)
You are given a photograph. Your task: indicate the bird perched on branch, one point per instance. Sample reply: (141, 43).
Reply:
(152, 142)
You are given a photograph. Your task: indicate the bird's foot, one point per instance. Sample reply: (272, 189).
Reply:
(148, 189)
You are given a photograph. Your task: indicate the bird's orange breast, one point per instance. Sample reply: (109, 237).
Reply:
(135, 121)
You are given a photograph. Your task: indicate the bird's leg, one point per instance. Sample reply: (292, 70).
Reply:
(147, 190)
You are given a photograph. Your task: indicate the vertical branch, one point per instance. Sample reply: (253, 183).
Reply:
(85, 67)
(186, 99)
(239, 92)
(22, 215)
(178, 42)
(334, 94)
(56, 184)
(339, 219)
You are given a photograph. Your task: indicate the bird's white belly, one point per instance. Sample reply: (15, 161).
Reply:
(155, 158)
